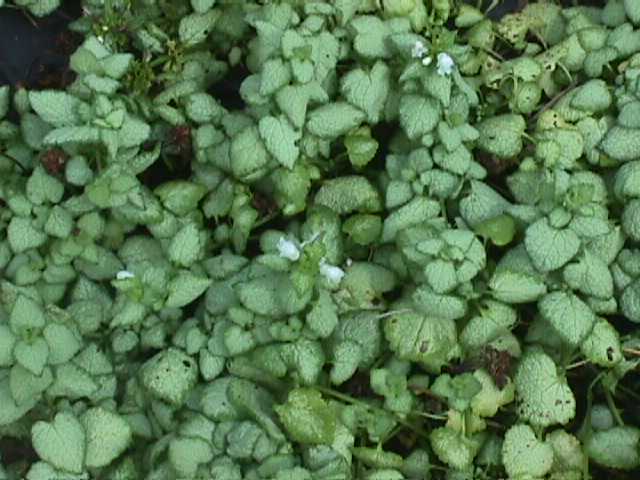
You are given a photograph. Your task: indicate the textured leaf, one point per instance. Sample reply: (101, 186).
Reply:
(523, 454)
(194, 28)
(571, 318)
(427, 340)
(280, 139)
(550, 248)
(615, 448)
(185, 288)
(108, 435)
(368, 90)
(307, 417)
(544, 397)
(349, 194)
(334, 119)
(418, 115)
(58, 108)
(516, 287)
(60, 442)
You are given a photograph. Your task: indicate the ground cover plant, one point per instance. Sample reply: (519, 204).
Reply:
(324, 240)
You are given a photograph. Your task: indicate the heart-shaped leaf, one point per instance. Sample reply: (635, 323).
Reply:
(550, 248)
(544, 398)
(108, 436)
(367, 90)
(523, 454)
(61, 442)
(32, 355)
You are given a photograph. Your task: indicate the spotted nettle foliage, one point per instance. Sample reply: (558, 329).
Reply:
(324, 240)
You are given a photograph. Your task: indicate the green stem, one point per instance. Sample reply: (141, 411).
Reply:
(613, 408)
(348, 399)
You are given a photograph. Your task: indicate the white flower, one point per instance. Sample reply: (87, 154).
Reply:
(427, 61)
(332, 273)
(445, 64)
(124, 275)
(288, 249)
(419, 50)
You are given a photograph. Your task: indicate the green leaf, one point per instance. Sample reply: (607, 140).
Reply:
(61, 136)
(570, 317)
(378, 458)
(334, 119)
(187, 453)
(371, 36)
(458, 391)
(615, 448)
(180, 196)
(108, 436)
(502, 135)
(590, 275)
(453, 448)
(275, 74)
(550, 248)
(500, 230)
(323, 317)
(418, 115)
(272, 295)
(186, 246)
(361, 147)
(27, 387)
(26, 316)
(60, 223)
(44, 188)
(293, 100)
(63, 343)
(349, 194)
(368, 90)
(117, 64)
(429, 341)
(516, 287)
(632, 9)
(203, 108)
(170, 375)
(23, 235)
(134, 132)
(307, 417)
(248, 154)
(201, 6)
(60, 442)
(418, 210)
(363, 229)
(58, 108)
(195, 28)
(544, 396)
(491, 398)
(11, 410)
(494, 320)
(593, 96)
(524, 455)
(185, 288)
(621, 143)
(602, 346)
(32, 355)
(280, 139)
(347, 358)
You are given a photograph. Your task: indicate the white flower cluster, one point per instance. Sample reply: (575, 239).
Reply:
(290, 249)
(445, 63)
(419, 50)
